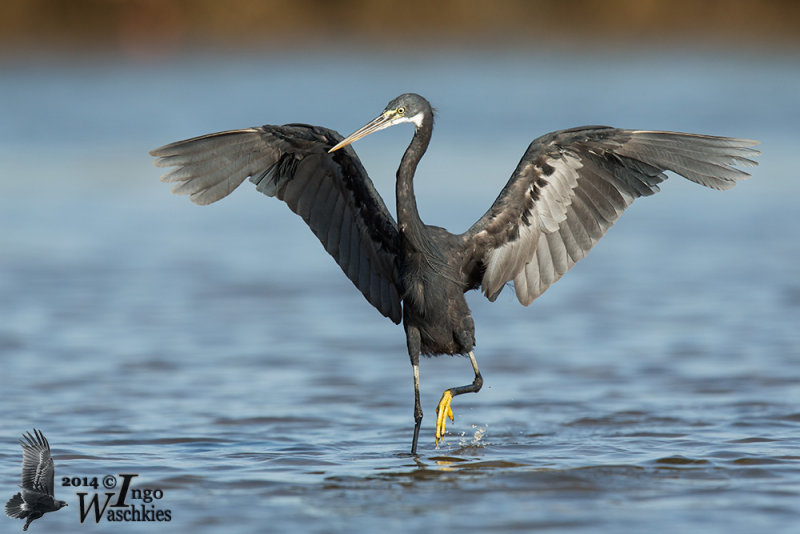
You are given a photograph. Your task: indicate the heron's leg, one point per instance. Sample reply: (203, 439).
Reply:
(413, 342)
(417, 409)
(443, 411)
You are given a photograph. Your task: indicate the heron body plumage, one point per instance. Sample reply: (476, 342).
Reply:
(569, 187)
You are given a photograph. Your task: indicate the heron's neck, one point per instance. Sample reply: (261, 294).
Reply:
(408, 218)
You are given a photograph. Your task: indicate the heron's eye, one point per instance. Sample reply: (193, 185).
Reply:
(401, 111)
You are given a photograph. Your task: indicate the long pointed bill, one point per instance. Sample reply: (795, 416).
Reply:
(379, 123)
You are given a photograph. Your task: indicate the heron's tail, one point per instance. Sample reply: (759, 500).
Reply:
(14, 507)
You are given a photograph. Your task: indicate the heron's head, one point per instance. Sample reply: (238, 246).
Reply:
(409, 107)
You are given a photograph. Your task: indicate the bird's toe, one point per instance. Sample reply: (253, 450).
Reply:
(443, 411)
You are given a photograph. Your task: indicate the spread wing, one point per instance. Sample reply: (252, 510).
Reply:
(331, 192)
(37, 465)
(571, 186)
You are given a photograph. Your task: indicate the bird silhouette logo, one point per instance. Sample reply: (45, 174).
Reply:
(36, 497)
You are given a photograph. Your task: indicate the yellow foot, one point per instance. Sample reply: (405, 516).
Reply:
(443, 411)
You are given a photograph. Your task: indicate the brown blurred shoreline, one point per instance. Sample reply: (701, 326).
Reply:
(156, 27)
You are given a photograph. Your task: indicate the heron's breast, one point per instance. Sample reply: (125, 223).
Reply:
(436, 306)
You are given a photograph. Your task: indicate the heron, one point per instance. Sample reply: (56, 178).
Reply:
(569, 187)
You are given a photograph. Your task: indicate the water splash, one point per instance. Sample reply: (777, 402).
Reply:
(477, 437)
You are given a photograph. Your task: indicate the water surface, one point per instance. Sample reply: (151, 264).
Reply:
(222, 356)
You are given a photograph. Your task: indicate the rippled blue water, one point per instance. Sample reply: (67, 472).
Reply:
(222, 356)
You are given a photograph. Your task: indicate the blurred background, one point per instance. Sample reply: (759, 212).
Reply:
(149, 28)
(221, 354)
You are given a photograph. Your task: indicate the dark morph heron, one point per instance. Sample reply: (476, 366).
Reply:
(36, 497)
(568, 189)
